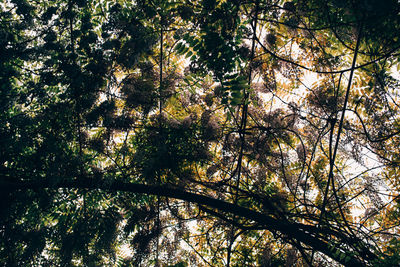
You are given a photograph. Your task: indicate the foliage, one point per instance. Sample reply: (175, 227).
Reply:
(199, 133)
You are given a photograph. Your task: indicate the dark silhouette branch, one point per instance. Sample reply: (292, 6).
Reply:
(306, 234)
(268, 51)
(332, 155)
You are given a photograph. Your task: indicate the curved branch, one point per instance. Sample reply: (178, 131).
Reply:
(390, 53)
(367, 134)
(297, 231)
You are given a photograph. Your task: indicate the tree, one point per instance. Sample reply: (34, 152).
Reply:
(199, 133)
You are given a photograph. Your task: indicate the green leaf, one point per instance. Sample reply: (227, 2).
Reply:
(189, 54)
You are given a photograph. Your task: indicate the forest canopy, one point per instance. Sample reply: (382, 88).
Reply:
(199, 133)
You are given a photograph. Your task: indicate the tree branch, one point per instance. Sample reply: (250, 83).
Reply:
(291, 230)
